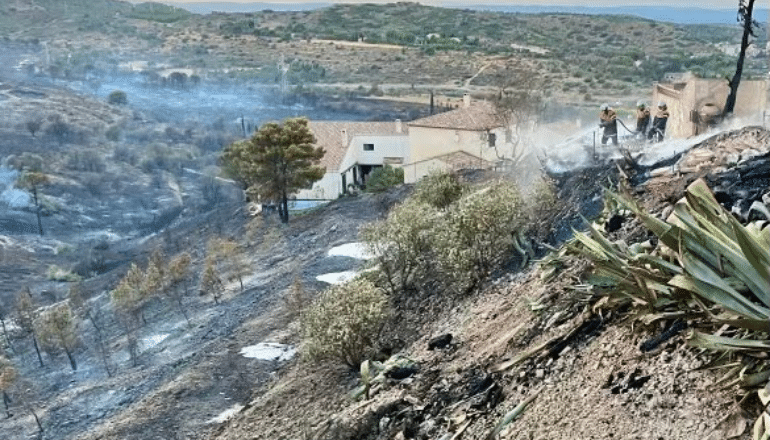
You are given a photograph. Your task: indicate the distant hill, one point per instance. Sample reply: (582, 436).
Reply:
(231, 7)
(679, 15)
(692, 15)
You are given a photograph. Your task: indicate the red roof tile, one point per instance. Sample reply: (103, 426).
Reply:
(479, 116)
(328, 135)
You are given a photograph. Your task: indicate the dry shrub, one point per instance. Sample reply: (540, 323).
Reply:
(345, 322)
(297, 299)
(439, 189)
(402, 244)
(478, 234)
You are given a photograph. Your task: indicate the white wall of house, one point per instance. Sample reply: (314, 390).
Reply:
(427, 143)
(387, 149)
(329, 187)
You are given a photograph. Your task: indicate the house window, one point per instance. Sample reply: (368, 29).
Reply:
(491, 137)
(368, 147)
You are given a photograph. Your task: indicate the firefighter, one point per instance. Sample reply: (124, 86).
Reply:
(608, 121)
(642, 118)
(658, 129)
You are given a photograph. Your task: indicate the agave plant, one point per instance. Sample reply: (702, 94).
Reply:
(706, 266)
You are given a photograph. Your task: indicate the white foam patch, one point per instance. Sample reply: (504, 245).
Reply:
(269, 351)
(353, 250)
(227, 414)
(337, 277)
(152, 341)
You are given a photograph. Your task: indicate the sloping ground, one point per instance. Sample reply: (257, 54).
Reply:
(197, 373)
(526, 340)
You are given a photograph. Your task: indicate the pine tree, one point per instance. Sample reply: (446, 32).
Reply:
(58, 330)
(26, 310)
(179, 276)
(276, 162)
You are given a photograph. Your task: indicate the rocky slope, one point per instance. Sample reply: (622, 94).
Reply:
(524, 340)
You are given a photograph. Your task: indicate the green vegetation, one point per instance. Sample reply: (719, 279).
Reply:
(277, 161)
(117, 97)
(344, 322)
(706, 268)
(56, 273)
(612, 53)
(384, 178)
(439, 189)
(451, 235)
(57, 327)
(159, 12)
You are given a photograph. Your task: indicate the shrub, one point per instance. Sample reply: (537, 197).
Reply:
(383, 178)
(123, 153)
(113, 133)
(88, 160)
(402, 244)
(117, 97)
(61, 131)
(56, 273)
(25, 161)
(345, 322)
(439, 189)
(478, 234)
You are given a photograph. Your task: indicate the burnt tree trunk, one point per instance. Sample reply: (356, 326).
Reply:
(37, 349)
(37, 210)
(745, 16)
(7, 402)
(73, 364)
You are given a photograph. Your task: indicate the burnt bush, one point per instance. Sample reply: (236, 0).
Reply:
(88, 160)
(125, 154)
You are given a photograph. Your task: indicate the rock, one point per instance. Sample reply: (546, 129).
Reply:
(614, 223)
(400, 373)
(384, 422)
(440, 342)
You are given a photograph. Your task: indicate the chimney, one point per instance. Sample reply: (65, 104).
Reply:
(467, 100)
(345, 141)
(399, 128)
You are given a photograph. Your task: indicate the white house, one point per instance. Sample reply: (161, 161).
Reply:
(353, 151)
(472, 136)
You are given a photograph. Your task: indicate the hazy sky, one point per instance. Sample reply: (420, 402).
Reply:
(722, 4)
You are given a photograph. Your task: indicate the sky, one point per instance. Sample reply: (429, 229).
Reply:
(716, 4)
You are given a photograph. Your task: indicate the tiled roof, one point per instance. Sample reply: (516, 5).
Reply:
(328, 135)
(476, 117)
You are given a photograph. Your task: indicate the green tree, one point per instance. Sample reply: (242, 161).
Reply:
(58, 330)
(439, 189)
(32, 181)
(478, 234)
(117, 97)
(745, 11)
(179, 277)
(276, 162)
